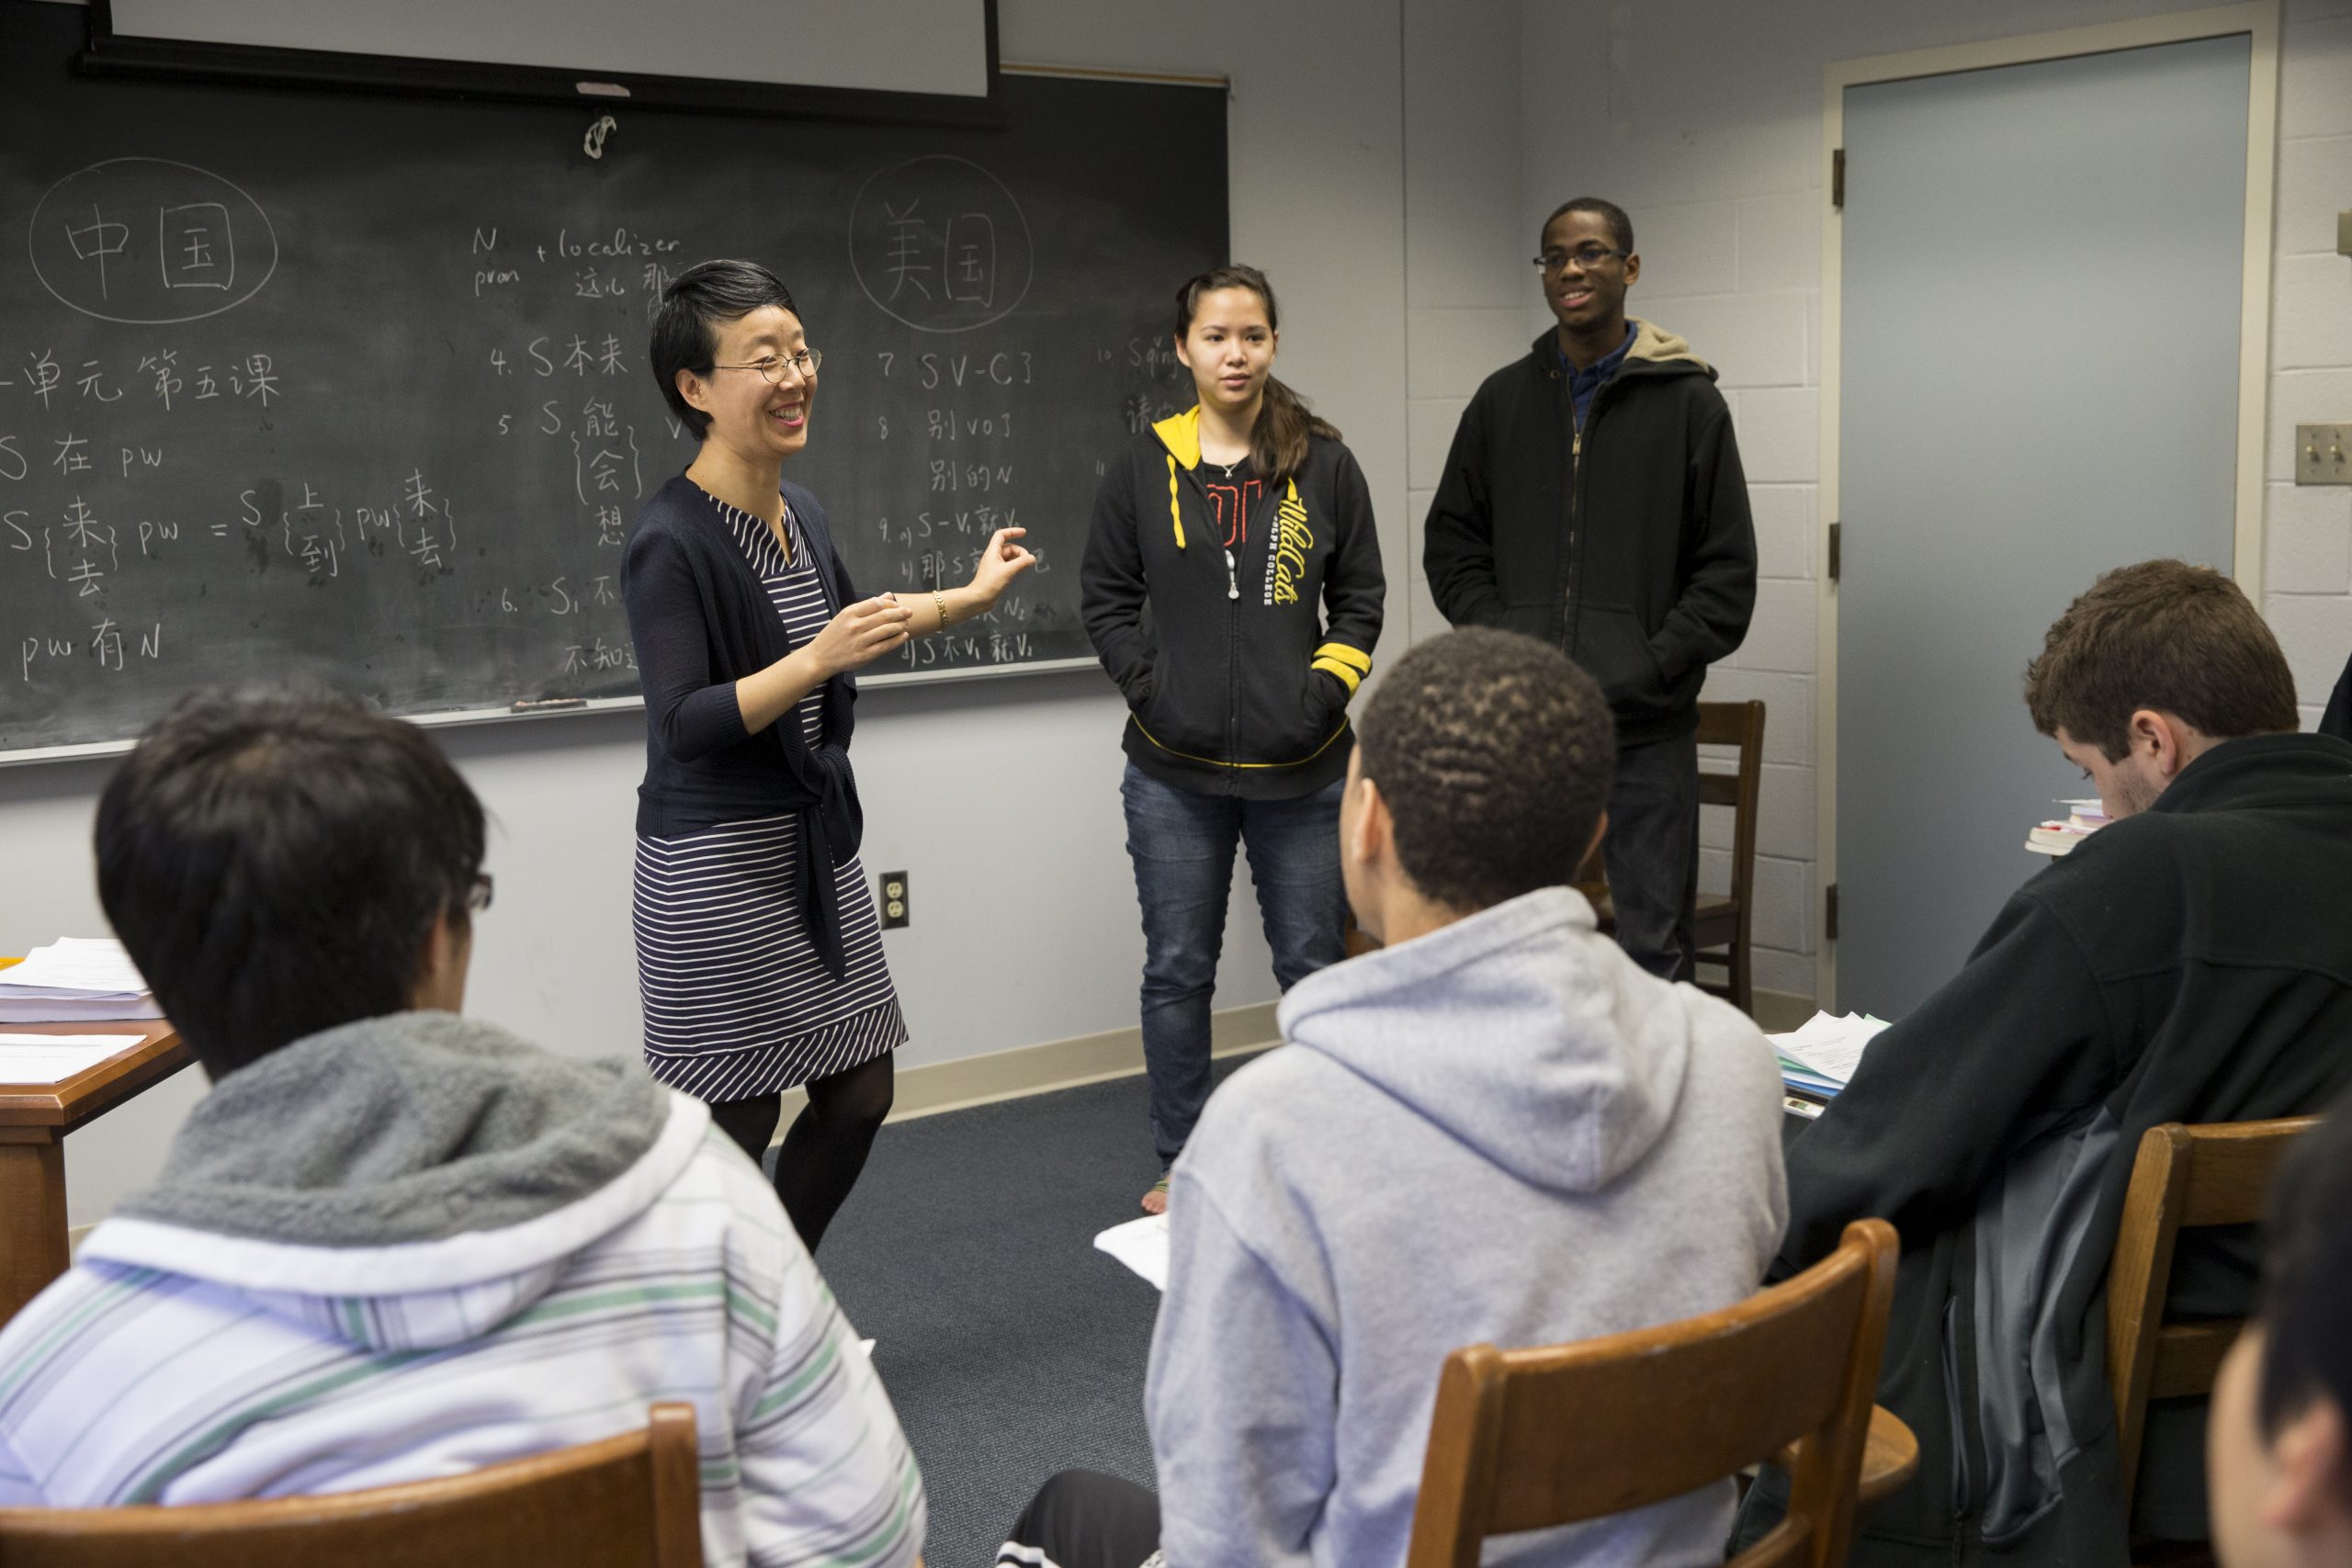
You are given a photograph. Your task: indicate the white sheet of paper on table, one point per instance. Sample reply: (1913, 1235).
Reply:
(1142, 1246)
(53, 1058)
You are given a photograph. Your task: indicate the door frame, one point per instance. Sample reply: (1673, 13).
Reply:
(2257, 18)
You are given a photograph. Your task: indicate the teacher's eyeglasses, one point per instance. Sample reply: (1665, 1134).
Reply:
(772, 369)
(478, 895)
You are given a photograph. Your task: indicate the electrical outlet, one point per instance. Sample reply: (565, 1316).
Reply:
(2324, 454)
(894, 899)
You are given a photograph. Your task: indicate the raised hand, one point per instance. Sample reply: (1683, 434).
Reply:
(1004, 559)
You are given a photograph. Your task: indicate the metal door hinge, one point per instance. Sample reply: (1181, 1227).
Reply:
(1835, 562)
(1837, 178)
(1829, 914)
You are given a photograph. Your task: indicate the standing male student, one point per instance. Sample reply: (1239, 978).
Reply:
(393, 1243)
(1594, 499)
(1514, 1135)
(2190, 962)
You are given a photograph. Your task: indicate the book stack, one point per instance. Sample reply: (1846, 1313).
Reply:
(74, 979)
(2084, 817)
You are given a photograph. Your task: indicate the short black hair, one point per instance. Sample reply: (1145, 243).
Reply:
(1621, 227)
(699, 301)
(272, 859)
(1495, 756)
(2307, 1277)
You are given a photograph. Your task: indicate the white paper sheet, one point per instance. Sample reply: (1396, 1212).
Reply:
(53, 1058)
(1142, 1246)
(1830, 1046)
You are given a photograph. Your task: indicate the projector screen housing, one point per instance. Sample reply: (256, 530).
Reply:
(898, 59)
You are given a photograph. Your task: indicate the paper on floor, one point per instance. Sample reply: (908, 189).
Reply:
(1142, 1246)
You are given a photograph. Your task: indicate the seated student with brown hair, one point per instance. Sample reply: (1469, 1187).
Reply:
(1497, 1128)
(392, 1242)
(2278, 1454)
(2190, 962)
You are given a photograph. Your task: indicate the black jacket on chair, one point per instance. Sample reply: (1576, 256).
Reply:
(1628, 545)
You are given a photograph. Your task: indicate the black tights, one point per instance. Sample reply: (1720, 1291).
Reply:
(826, 1146)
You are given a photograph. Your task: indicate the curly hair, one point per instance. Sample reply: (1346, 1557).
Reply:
(2163, 634)
(1494, 754)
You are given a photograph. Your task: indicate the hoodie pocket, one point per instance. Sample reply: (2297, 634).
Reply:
(1615, 650)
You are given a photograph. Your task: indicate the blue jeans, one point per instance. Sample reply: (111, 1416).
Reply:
(1182, 844)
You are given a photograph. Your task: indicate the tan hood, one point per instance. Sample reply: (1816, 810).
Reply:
(1654, 342)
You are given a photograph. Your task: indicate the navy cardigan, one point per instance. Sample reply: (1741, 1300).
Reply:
(702, 620)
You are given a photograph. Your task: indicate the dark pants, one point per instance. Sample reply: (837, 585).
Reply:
(826, 1146)
(1651, 853)
(1182, 843)
(1082, 1518)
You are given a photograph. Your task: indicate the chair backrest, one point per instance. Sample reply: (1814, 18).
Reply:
(632, 1501)
(2184, 1178)
(1741, 727)
(1525, 1440)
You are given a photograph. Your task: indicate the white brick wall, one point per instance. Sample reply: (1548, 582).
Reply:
(2309, 562)
(1703, 118)
(1466, 279)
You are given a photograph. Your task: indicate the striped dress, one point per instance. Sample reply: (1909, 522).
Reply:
(737, 1003)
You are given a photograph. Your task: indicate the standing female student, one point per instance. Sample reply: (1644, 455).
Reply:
(757, 951)
(1232, 588)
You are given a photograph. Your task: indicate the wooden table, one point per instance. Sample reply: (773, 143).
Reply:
(34, 1120)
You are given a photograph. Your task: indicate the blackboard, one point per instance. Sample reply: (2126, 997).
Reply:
(348, 386)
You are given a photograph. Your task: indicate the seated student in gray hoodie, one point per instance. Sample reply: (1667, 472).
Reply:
(1495, 1128)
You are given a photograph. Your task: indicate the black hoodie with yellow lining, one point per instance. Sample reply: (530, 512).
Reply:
(1237, 634)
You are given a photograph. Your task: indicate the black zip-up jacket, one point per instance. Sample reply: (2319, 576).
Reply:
(2192, 963)
(1629, 545)
(1236, 664)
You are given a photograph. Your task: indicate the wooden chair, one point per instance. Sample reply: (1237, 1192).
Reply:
(634, 1501)
(2184, 1178)
(1526, 1440)
(1723, 919)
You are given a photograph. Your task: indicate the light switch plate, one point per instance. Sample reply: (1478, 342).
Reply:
(2324, 454)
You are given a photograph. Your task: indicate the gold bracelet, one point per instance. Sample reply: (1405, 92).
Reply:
(941, 599)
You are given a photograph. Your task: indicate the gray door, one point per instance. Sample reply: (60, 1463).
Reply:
(2039, 381)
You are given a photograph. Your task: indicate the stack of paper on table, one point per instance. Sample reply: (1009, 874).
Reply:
(72, 979)
(1819, 1058)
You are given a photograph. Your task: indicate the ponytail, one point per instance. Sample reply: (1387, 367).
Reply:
(1278, 440)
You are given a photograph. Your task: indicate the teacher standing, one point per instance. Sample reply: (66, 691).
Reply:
(757, 954)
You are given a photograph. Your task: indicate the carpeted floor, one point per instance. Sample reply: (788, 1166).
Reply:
(1010, 1346)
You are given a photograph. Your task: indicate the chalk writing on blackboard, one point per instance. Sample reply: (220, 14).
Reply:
(148, 242)
(940, 244)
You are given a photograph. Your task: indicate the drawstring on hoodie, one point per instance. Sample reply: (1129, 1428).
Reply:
(1175, 514)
